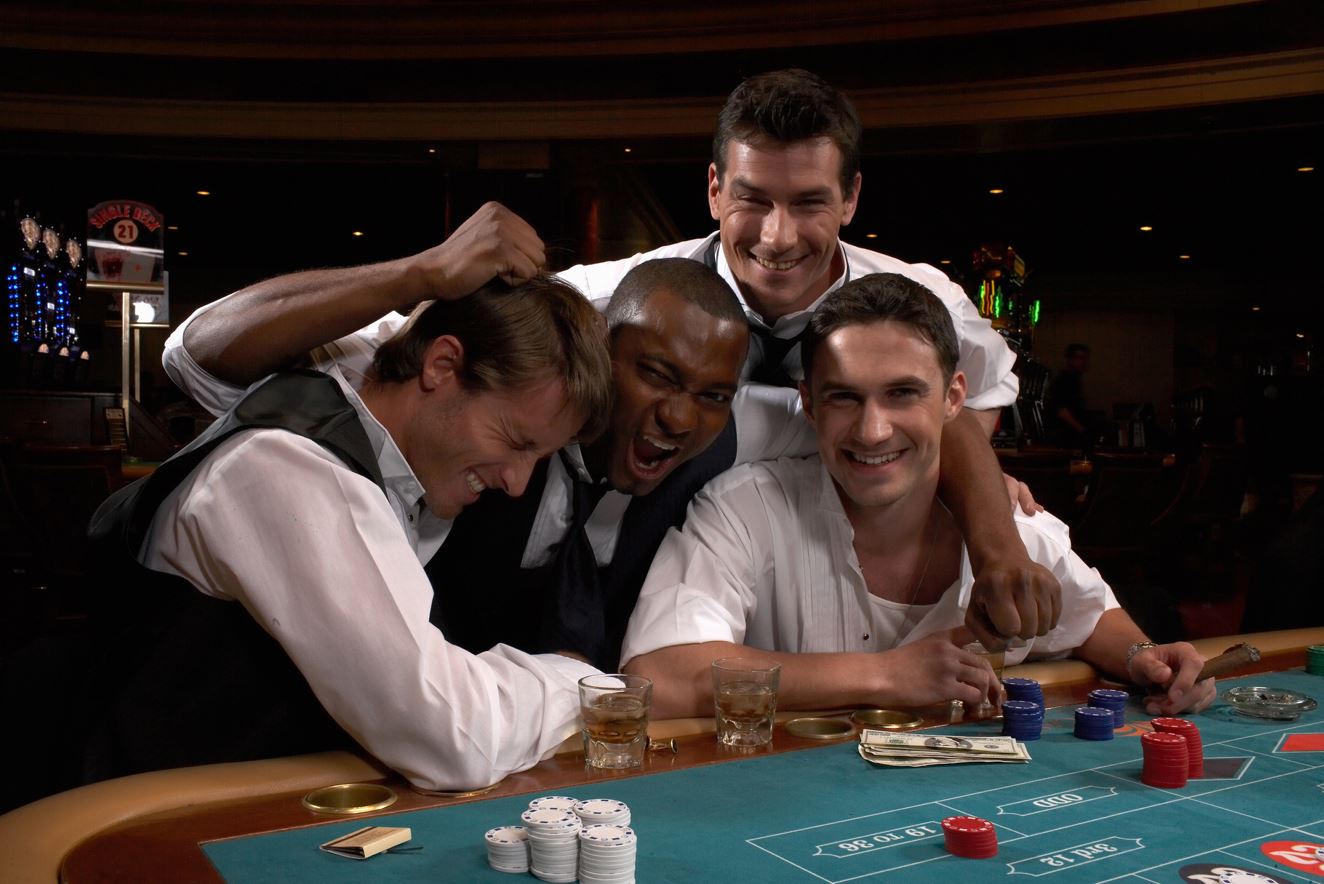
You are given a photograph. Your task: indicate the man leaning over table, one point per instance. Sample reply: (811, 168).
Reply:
(845, 566)
(302, 615)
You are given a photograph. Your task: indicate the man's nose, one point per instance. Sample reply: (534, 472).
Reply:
(677, 414)
(779, 231)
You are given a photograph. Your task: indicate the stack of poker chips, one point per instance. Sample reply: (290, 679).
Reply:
(1115, 701)
(1315, 659)
(1094, 723)
(607, 854)
(1024, 689)
(508, 848)
(1166, 760)
(1022, 719)
(602, 810)
(1194, 744)
(970, 837)
(553, 844)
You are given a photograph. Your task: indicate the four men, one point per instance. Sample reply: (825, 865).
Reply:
(346, 511)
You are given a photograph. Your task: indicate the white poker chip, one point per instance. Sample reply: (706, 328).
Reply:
(555, 802)
(549, 818)
(517, 835)
(601, 807)
(608, 834)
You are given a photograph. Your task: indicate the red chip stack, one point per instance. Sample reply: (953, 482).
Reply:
(970, 837)
(1166, 761)
(1194, 744)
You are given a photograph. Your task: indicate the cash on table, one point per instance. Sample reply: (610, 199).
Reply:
(925, 750)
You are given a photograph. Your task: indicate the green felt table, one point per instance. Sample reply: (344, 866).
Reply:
(1077, 813)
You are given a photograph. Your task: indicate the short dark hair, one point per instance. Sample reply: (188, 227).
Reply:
(692, 280)
(787, 106)
(513, 337)
(884, 296)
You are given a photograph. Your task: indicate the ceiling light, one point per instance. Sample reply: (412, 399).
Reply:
(1300, 335)
(358, 233)
(172, 227)
(203, 192)
(1305, 168)
(871, 236)
(995, 190)
(627, 150)
(1184, 257)
(182, 254)
(1146, 228)
(432, 150)
(1255, 310)
(945, 261)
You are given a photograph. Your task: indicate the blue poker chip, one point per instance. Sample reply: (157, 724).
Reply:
(1094, 723)
(1115, 701)
(1023, 689)
(1021, 710)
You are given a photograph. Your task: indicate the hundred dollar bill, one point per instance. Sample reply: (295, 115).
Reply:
(945, 743)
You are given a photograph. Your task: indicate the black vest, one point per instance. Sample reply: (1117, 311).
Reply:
(183, 678)
(490, 599)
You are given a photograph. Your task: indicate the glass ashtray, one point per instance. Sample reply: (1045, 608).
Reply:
(1275, 703)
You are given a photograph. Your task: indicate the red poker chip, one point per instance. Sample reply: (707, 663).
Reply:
(1167, 762)
(970, 837)
(1194, 744)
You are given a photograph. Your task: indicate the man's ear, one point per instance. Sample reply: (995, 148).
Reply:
(807, 402)
(443, 361)
(955, 396)
(848, 209)
(714, 188)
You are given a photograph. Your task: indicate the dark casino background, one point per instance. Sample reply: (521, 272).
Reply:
(1156, 166)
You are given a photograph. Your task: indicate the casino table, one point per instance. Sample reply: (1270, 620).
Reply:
(805, 810)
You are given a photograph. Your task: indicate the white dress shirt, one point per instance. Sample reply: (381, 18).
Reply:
(766, 558)
(769, 424)
(985, 357)
(332, 569)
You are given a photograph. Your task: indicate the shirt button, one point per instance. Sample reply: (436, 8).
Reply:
(866, 636)
(410, 517)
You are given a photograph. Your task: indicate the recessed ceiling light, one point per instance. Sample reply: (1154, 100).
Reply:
(1146, 228)
(172, 227)
(995, 190)
(1255, 310)
(432, 150)
(1305, 168)
(1300, 334)
(945, 261)
(628, 149)
(1184, 257)
(358, 233)
(182, 254)
(203, 192)
(871, 236)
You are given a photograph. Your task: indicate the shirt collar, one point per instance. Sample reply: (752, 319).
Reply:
(791, 324)
(397, 475)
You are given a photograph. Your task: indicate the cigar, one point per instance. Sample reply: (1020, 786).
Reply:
(1230, 660)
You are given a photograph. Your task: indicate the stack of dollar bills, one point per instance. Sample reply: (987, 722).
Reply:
(925, 750)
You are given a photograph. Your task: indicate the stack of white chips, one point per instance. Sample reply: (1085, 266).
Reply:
(553, 844)
(607, 854)
(508, 848)
(603, 810)
(563, 839)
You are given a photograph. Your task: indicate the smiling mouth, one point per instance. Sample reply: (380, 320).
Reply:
(781, 266)
(476, 485)
(873, 460)
(651, 453)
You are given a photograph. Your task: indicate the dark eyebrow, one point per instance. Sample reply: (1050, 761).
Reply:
(817, 192)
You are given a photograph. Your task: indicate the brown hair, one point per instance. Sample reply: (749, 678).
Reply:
(513, 337)
(878, 297)
(787, 106)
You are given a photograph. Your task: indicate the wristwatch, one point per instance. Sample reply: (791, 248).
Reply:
(1136, 649)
